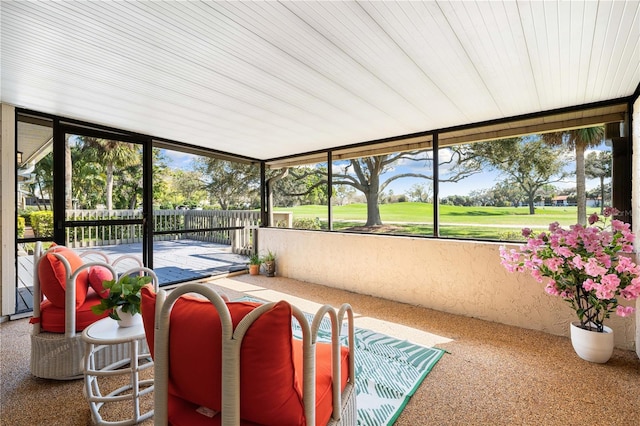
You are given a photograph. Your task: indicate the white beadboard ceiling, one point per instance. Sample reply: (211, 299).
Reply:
(271, 79)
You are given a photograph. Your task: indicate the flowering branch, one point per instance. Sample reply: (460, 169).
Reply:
(582, 265)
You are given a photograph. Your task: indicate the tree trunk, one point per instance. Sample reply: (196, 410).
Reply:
(373, 209)
(109, 194)
(601, 194)
(282, 174)
(68, 176)
(531, 200)
(581, 184)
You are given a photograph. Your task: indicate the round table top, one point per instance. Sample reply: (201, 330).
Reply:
(107, 330)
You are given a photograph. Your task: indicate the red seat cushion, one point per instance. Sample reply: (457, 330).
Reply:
(268, 386)
(52, 317)
(185, 413)
(324, 397)
(53, 276)
(148, 311)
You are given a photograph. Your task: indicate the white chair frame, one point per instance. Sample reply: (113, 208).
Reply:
(345, 401)
(59, 355)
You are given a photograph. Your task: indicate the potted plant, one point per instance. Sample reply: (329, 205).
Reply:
(254, 264)
(269, 261)
(123, 298)
(584, 267)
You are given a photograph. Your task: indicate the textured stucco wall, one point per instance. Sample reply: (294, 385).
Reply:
(460, 277)
(635, 195)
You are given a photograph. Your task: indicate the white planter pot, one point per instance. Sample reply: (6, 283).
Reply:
(128, 320)
(591, 345)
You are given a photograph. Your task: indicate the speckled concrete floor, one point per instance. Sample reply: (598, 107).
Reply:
(493, 374)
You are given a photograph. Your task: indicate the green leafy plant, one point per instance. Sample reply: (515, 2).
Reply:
(269, 257)
(123, 293)
(254, 259)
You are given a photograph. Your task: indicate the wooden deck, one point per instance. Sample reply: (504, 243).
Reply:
(174, 262)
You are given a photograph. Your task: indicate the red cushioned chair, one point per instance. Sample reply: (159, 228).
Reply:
(237, 363)
(65, 287)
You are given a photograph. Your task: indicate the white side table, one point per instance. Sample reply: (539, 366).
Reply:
(100, 336)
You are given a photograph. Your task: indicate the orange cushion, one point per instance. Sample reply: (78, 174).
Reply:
(97, 275)
(324, 397)
(52, 317)
(148, 311)
(53, 276)
(268, 388)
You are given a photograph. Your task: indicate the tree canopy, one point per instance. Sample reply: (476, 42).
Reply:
(528, 164)
(230, 184)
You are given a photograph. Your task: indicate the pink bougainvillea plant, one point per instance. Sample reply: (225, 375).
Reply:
(583, 266)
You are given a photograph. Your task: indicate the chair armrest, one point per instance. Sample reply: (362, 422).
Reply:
(88, 253)
(336, 328)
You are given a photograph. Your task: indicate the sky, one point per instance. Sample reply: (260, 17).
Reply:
(475, 182)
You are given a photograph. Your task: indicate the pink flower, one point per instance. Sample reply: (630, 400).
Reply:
(592, 268)
(618, 225)
(624, 264)
(593, 218)
(624, 311)
(571, 240)
(554, 263)
(577, 262)
(553, 227)
(552, 289)
(508, 266)
(610, 281)
(567, 294)
(526, 232)
(632, 291)
(604, 259)
(610, 211)
(603, 293)
(589, 284)
(563, 251)
(533, 263)
(537, 275)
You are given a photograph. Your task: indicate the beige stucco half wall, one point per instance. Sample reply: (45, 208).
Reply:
(460, 277)
(635, 195)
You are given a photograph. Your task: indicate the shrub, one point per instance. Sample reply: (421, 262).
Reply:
(306, 223)
(20, 227)
(42, 223)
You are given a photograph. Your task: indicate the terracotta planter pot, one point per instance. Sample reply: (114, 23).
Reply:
(254, 269)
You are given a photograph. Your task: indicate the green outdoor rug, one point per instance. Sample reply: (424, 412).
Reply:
(388, 371)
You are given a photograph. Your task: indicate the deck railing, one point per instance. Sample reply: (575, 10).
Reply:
(233, 227)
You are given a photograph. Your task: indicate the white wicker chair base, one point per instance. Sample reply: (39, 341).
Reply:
(349, 412)
(54, 356)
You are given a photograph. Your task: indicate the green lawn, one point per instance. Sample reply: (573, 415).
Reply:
(502, 223)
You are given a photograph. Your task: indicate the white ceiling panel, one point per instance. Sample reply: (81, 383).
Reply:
(271, 79)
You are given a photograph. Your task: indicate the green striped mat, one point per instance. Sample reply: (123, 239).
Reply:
(388, 371)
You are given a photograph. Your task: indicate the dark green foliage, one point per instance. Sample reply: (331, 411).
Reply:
(124, 293)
